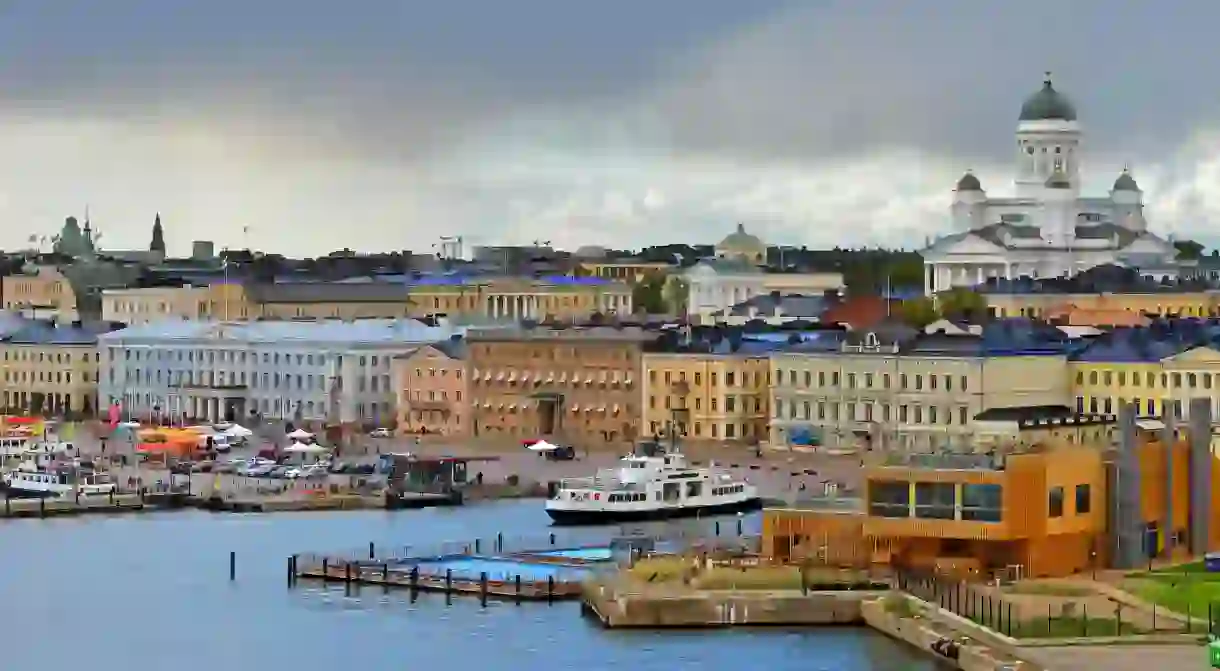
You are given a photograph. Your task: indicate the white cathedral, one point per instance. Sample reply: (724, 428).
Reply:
(1047, 229)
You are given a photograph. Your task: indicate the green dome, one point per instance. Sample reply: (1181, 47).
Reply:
(1058, 180)
(1126, 182)
(740, 240)
(1048, 104)
(969, 182)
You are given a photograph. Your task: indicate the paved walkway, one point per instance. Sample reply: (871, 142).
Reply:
(1191, 657)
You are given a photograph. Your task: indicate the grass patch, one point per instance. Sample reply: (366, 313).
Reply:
(1069, 627)
(1187, 589)
(1049, 589)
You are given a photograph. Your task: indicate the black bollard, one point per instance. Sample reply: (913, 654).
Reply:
(347, 572)
(483, 587)
(325, 570)
(739, 526)
(42, 506)
(372, 550)
(552, 540)
(499, 542)
(7, 507)
(112, 497)
(477, 544)
(550, 588)
(517, 580)
(717, 529)
(414, 578)
(385, 574)
(448, 580)
(290, 572)
(232, 566)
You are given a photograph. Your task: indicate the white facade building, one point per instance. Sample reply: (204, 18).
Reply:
(331, 371)
(715, 285)
(1047, 229)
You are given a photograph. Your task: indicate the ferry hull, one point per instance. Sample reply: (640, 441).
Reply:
(595, 517)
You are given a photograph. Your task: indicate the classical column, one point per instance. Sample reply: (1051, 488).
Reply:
(928, 270)
(980, 277)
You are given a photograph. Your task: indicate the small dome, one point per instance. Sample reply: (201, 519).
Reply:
(969, 182)
(1126, 182)
(740, 240)
(1058, 180)
(1048, 104)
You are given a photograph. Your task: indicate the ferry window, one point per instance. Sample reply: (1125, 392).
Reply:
(982, 503)
(935, 500)
(693, 489)
(889, 499)
(1055, 502)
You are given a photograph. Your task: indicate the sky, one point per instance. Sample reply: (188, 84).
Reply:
(304, 126)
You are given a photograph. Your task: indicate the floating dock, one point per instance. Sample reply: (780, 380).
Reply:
(57, 507)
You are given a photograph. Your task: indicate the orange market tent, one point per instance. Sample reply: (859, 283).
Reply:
(175, 448)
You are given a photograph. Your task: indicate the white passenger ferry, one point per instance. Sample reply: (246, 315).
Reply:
(28, 483)
(652, 484)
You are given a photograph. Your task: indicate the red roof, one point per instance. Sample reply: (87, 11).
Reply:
(859, 312)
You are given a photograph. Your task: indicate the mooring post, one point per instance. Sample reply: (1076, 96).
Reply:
(717, 528)
(7, 506)
(552, 539)
(483, 587)
(325, 569)
(738, 526)
(385, 573)
(517, 580)
(112, 497)
(415, 578)
(499, 542)
(448, 580)
(550, 588)
(372, 550)
(42, 506)
(477, 544)
(290, 572)
(232, 565)
(347, 572)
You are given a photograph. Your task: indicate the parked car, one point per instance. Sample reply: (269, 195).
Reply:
(380, 433)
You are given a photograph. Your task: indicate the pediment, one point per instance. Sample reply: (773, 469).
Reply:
(1148, 244)
(967, 244)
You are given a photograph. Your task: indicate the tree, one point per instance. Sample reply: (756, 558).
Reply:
(648, 294)
(919, 312)
(677, 295)
(961, 304)
(1188, 250)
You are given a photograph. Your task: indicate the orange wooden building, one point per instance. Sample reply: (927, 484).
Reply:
(1045, 512)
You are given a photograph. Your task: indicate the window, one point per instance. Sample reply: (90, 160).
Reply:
(935, 500)
(1084, 502)
(889, 499)
(982, 503)
(1055, 502)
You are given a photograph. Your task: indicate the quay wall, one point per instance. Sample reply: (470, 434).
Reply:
(723, 608)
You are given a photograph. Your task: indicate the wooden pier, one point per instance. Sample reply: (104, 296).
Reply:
(409, 577)
(56, 507)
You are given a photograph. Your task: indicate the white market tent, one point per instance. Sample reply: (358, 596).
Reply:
(238, 431)
(302, 448)
(542, 446)
(300, 434)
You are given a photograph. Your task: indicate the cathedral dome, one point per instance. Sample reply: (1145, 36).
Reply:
(1126, 182)
(1048, 104)
(969, 182)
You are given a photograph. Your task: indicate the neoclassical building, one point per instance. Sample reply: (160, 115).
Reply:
(1046, 229)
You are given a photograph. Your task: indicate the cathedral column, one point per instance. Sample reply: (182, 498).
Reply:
(979, 275)
(929, 280)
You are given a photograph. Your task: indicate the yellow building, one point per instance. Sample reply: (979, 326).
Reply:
(144, 304)
(51, 370)
(564, 299)
(1151, 374)
(1200, 303)
(706, 397)
(42, 290)
(623, 270)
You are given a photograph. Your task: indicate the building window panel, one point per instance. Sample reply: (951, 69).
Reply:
(889, 499)
(935, 500)
(982, 503)
(1055, 502)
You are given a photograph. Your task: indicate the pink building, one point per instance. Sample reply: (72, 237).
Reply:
(432, 388)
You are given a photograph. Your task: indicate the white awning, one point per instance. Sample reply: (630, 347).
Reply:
(525, 377)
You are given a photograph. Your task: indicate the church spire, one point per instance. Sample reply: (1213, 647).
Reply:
(158, 237)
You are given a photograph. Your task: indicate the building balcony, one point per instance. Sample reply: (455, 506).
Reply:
(428, 404)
